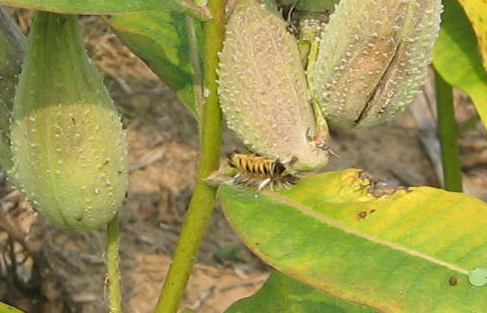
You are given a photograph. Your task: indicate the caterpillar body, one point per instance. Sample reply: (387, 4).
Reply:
(254, 170)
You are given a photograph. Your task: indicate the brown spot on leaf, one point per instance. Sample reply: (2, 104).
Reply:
(453, 281)
(362, 214)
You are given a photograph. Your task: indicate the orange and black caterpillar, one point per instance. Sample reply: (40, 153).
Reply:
(258, 171)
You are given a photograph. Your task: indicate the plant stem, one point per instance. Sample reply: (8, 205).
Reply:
(203, 200)
(113, 270)
(321, 134)
(195, 10)
(448, 134)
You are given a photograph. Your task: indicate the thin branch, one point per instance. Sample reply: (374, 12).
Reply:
(203, 200)
(113, 270)
(448, 135)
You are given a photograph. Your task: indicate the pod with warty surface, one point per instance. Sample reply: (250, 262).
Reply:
(372, 59)
(68, 145)
(263, 89)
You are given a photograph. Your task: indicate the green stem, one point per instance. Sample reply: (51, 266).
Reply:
(448, 134)
(203, 200)
(113, 270)
(195, 10)
(321, 134)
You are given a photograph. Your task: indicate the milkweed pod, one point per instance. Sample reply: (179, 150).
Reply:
(263, 88)
(68, 145)
(372, 59)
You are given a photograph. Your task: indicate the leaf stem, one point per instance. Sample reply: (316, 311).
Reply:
(197, 11)
(448, 134)
(203, 200)
(113, 270)
(321, 133)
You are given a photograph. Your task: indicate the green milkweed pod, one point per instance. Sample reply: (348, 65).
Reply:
(372, 59)
(263, 89)
(68, 145)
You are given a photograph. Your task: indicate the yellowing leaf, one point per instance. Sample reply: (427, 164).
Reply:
(477, 14)
(397, 252)
(456, 57)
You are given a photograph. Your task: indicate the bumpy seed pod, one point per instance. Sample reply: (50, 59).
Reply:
(263, 89)
(373, 57)
(68, 145)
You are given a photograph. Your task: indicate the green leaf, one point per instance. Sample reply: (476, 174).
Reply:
(282, 294)
(111, 6)
(12, 47)
(311, 5)
(477, 11)
(457, 59)
(169, 43)
(395, 253)
(5, 308)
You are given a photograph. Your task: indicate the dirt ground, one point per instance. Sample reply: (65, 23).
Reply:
(63, 271)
